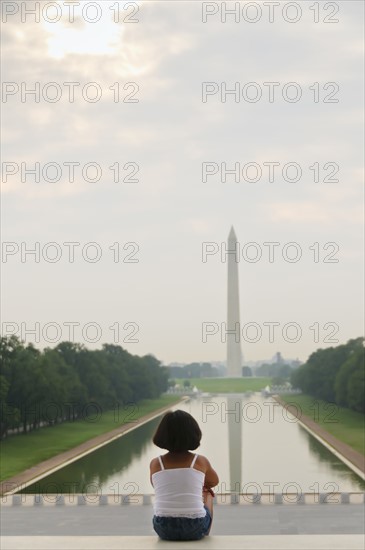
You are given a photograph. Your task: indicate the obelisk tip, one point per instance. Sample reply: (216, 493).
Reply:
(232, 234)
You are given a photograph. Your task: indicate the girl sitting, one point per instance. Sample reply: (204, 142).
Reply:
(183, 508)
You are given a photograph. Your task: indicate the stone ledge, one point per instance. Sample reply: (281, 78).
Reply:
(254, 542)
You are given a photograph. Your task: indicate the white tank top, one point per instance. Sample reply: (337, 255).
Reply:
(179, 492)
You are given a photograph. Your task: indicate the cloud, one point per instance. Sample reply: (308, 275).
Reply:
(169, 133)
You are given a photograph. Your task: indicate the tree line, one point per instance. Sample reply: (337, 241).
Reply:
(55, 385)
(274, 370)
(335, 374)
(194, 370)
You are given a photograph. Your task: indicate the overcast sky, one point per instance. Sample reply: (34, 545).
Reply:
(164, 141)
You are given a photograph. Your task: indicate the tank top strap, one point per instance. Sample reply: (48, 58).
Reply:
(193, 461)
(161, 463)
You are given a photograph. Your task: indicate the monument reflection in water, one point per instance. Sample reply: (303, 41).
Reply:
(256, 447)
(234, 416)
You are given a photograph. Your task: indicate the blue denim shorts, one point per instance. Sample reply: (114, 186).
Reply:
(170, 528)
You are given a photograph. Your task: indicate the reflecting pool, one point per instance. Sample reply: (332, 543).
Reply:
(252, 442)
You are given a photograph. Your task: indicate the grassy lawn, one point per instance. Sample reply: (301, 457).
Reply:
(227, 385)
(346, 425)
(19, 452)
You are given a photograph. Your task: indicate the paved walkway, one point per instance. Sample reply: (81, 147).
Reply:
(345, 450)
(286, 542)
(118, 520)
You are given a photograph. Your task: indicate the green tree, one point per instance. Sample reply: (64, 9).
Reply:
(54, 385)
(349, 384)
(9, 411)
(335, 374)
(27, 387)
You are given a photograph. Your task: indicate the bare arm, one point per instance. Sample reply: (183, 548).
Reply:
(211, 476)
(152, 469)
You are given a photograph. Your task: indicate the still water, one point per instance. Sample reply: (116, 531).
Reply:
(252, 443)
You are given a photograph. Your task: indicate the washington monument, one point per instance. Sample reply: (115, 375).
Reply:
(234, 355)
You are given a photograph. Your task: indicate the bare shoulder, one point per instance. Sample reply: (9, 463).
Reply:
(203, 462)
(203, 459)
(154, 465)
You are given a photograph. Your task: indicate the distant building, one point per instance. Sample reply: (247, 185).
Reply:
(246, 371)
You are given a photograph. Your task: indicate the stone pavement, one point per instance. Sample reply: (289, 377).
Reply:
(129, 520)
(284, 542)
